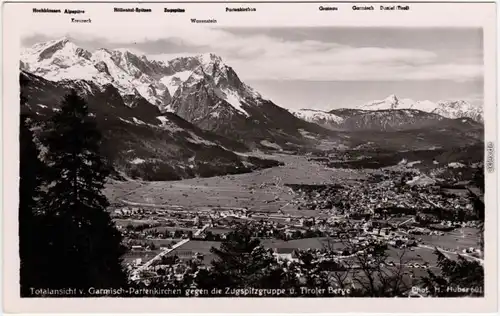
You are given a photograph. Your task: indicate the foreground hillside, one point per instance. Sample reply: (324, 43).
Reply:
(139, 140)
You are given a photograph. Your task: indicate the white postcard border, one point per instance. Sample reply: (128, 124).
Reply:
(480, 14)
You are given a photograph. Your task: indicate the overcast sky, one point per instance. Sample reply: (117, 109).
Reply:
(323, 67)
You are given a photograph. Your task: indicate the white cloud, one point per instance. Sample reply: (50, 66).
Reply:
(262, 57)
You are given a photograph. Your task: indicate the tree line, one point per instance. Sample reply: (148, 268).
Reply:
(66, 237)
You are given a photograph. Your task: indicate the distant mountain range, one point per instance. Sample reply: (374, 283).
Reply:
(393, 113)
(193, 116)
(319, 117)
(449, 109)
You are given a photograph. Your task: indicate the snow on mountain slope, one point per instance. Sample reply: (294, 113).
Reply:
(155, 81)
(201, 89)
(448, 109)
(174, 81)
(62, 60)
(209, 62)
(140, 141)
(458, 109)
(212, 89)
(392, 102)
(318, 117)
(235, 100)
(214, 98)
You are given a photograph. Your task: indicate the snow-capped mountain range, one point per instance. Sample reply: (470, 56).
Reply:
(200, 89)
(318, 116)
(176, 85)
(449, 109)
(392, 113)
(133, 75)
(193, 116)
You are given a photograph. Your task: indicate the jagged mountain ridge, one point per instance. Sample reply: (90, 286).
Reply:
(225, 105)
(140, 140)
(319, 117)
(132, 75)
(200, 89)
(449, 109)
(346, 119)
(155, 81)
(398, 120)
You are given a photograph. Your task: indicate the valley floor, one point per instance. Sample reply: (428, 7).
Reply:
(290, 207)
(261, 190)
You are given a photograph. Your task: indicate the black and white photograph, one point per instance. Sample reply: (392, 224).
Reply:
(246, 161)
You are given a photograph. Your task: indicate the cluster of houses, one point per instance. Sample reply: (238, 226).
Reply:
(391, 209)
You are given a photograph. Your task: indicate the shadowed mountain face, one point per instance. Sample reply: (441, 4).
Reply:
(394, 127)
(446, 119)
(139, 140)
(393, 120)
(407, 129)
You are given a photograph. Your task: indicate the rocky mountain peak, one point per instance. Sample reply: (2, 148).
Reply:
(393, 99)
(390, 102)
(55, 46)
(201, 89)
(60, 42)
(211, 64)
(209, 58)
(459, 109)
(456, 104)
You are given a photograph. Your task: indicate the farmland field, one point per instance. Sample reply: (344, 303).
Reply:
(199, 245)
(134, 222)
(130, 256)
(158, 242)
(305, 243)
(459, 238)
(163, 229)
(262, 191)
